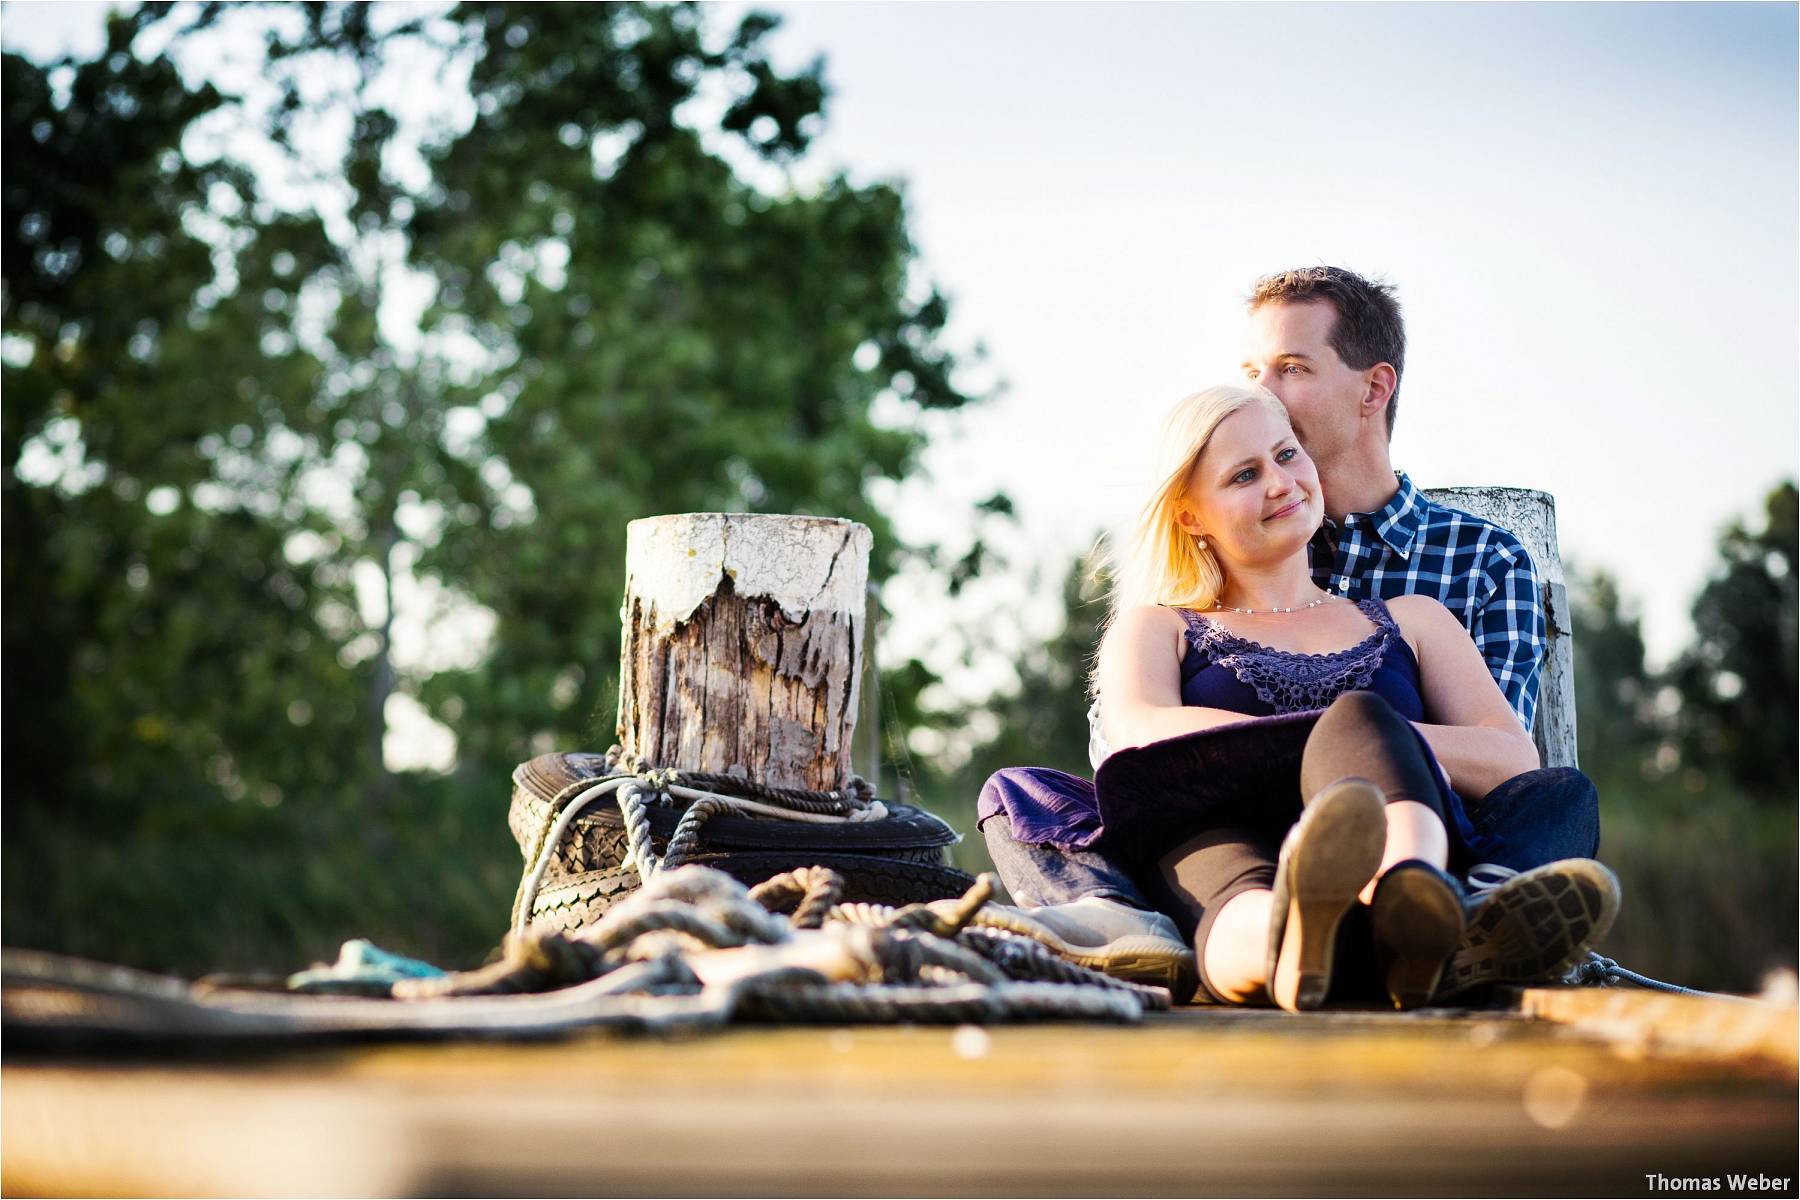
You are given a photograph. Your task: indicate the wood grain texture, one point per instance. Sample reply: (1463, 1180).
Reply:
(1196, 1102)
(1531, 516)
(761, 683)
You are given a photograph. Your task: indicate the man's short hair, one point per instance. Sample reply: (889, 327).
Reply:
(1368, 329)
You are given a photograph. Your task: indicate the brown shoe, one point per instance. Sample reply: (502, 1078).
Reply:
(1332, 851)
(1416, 917)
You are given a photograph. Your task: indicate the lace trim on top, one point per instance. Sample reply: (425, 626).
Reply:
(1290, 680)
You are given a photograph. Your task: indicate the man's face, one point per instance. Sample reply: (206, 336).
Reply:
(1289, 355)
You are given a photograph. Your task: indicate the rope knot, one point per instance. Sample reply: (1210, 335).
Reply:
(660, 779)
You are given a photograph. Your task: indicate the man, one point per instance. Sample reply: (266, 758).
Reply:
(1332, 346)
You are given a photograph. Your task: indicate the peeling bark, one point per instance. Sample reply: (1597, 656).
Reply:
(1531, 515)
(741, 681)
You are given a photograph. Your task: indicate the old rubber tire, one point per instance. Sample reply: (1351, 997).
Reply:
(582, 899)
(596, 839)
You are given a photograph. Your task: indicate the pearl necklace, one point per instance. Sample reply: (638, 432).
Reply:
(1269, 612)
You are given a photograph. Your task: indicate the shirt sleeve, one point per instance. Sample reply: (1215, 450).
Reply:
(1508, 626)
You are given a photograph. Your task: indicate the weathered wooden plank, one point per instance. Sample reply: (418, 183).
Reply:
(1199, 1102)
(1645, 1022)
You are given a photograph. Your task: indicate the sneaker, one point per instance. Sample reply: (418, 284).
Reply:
(1107, 936)
(1531, 926)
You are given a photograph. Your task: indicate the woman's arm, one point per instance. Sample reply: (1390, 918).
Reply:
(1140, 681)
(1476, 735)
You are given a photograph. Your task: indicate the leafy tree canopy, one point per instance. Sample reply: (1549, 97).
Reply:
(285, 346)
(1740, 698)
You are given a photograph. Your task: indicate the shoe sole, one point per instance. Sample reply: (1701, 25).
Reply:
(1418, 923)
(1339, 850)
(1144, 960)
(1535, 926)
(1136, 959)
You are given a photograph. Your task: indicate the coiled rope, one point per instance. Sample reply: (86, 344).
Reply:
(914, 963)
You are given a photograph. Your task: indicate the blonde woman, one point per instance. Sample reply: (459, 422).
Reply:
(1274, 764)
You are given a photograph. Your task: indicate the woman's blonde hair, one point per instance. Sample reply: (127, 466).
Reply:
(1162, 563)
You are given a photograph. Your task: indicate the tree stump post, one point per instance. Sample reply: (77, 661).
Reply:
(742, 650)
(1531, 515)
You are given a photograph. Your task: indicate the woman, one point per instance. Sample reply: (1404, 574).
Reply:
(1217, 626)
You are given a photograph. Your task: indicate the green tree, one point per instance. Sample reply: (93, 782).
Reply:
(1740, 698)
(215, 424)
(1705, 861)
(662, 334)
(156, 633)
(379, 430)
(1043, 721)
(1615, 723)
(169, 678)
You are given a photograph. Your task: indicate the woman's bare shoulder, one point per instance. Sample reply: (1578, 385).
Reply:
(1143, 641)
(1145, 622)
(1424, 621)
(1421, 609)
(1151, 616)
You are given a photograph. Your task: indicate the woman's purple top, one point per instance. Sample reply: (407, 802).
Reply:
(1222, 670)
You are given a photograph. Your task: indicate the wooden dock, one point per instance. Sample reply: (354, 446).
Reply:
(1526, 1102)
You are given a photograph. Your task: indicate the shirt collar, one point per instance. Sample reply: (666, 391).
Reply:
(1398, 521)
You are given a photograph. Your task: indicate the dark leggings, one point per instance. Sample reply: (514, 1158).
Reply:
(1360, 734)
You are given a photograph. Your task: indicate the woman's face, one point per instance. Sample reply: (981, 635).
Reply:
(1254, 494)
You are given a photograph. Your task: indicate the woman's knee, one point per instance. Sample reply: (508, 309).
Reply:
(1350, 725)
(1360, 708)
(1362, 734)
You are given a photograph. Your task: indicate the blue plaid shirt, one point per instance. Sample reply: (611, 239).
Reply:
(1478, 570)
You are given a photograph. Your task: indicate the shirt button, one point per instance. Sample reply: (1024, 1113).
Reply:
(1344, 584)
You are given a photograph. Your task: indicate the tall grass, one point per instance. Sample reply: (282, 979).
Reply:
(1708, 878)
(273, 890)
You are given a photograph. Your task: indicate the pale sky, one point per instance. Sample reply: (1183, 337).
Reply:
(1590, 212)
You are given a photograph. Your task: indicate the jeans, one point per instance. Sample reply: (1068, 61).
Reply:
(1538, 817)
(1038, 873)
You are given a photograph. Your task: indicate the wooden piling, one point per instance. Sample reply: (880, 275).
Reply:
(742, 646)
(1531, 516)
